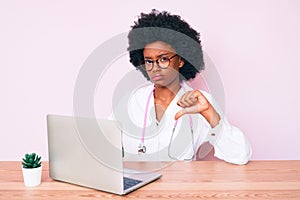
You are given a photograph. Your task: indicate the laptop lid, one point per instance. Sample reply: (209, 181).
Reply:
(88, 152)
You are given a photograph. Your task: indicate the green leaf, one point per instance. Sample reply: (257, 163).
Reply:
(33, 156)
(31, 160)
(26, 165)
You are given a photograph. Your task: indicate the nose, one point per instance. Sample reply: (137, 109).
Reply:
(155, 66)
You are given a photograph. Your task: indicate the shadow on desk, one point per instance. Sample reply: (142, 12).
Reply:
(206, 152)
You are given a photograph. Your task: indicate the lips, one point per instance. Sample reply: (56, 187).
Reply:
(157, 77)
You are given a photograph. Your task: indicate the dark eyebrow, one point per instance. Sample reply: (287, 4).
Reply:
(159, 56)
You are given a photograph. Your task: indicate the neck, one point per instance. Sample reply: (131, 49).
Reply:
(166, 93)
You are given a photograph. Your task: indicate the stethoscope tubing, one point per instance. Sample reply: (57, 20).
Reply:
(142, 147)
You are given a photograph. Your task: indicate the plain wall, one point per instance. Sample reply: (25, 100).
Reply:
(253, 44)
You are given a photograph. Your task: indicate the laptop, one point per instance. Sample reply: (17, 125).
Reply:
(88, 152)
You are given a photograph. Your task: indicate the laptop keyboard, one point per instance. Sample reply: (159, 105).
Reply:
(129, 182)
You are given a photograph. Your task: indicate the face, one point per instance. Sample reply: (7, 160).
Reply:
(160, 52)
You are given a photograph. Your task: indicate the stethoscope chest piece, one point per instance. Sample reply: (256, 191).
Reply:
(141, 149)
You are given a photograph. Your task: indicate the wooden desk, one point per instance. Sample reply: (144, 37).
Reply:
(181, 180)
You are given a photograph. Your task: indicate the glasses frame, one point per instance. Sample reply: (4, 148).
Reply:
(157, 62)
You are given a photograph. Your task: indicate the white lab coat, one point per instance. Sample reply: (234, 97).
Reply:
(229, 142)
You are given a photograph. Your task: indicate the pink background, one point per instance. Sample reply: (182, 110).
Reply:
(253, 44)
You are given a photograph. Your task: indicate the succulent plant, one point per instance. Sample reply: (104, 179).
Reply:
(31, 161)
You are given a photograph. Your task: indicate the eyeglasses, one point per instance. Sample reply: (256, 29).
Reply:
(163, 62)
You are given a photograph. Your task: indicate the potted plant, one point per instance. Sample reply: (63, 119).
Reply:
(32, 169)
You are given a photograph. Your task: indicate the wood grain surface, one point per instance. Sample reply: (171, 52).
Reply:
(181, 180)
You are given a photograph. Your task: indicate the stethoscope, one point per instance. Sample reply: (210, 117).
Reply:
(142, 148)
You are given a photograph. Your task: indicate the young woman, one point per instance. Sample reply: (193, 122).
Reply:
(173, 118)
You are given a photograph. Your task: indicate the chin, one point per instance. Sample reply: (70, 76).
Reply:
(158, 82)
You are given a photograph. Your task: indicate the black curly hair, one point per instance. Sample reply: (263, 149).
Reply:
(171, 29)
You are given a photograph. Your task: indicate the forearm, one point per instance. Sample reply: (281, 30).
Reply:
(211, 116)
(231, 144)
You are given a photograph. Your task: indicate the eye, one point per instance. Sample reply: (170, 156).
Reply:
(163, 59)
(148, 62)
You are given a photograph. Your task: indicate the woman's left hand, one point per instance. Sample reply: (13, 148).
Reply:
(194, 102)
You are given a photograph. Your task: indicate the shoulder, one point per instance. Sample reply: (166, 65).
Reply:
(186, 87)
(143, 90)
(141, 94)
(207, 95)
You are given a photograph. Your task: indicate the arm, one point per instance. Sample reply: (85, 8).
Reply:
(229, 142)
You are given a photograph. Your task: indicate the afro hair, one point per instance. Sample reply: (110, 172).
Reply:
(171, 29)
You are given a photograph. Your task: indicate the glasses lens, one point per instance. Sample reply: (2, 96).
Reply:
(148, 64)
(164, 62)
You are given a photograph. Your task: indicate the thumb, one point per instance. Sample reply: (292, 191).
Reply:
(186, 110)
(179, 114)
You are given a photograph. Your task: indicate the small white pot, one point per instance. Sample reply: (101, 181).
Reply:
(32, 176)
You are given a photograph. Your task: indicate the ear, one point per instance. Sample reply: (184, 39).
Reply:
(181, 62)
